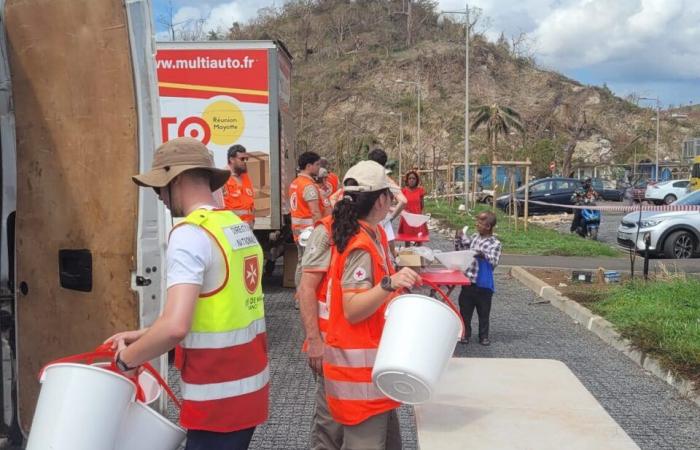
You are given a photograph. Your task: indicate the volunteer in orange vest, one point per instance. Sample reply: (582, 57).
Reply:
(326, 433)
(305, 201)
(332, 177)
(326, 191)
(214, 306)
(362, 281)
(239, 196)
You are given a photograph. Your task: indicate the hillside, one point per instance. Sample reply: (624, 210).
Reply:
(348, 56)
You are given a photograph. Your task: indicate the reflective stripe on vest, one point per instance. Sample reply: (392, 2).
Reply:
(355, 357)
(351, 390)
(224, 356)
(218, 391)
(303, 222)
(226, 338)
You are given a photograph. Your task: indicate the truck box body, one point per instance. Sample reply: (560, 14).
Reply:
(234, 92)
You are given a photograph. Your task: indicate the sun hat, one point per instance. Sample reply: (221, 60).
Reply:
(370, 177)
(177, 156)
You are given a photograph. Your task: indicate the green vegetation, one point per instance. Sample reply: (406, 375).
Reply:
(536, 241)
(661, 318)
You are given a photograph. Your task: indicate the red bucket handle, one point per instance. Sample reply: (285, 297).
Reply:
(105, 353)
(446, 299)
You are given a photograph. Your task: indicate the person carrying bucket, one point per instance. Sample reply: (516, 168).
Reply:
(214, 307)
(362, 281)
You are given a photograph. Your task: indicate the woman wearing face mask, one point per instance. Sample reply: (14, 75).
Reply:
(362, 281)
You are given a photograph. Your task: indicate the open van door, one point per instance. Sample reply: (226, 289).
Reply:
(88, 241)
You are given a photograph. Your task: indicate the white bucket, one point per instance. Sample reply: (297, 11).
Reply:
(79, 408)
(415, 220)
(144, 429)
(149, 384)
(459, 260)
(418, 340)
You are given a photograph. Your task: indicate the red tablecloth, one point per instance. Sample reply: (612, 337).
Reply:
(412, 238)
(446, 277)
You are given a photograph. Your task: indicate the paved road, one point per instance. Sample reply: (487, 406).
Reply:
(609, 221)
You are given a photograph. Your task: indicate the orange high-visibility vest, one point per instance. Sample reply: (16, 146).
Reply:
(333, 180)
(240, 198)
(322, 293)
(300, 211)
(351, 348)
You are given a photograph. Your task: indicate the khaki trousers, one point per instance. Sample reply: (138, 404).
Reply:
(326, 433)
(380, 432)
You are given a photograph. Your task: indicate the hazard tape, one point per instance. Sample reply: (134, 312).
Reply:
(621, 208)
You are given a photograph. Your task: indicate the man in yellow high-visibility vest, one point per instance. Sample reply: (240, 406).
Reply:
(214, 308)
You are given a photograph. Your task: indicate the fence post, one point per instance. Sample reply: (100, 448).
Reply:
(527, 192)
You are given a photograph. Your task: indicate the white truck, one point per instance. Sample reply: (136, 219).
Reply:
(81, 254)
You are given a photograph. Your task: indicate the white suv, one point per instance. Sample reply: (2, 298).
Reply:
(673, 234)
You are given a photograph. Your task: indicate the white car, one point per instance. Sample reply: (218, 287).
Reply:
(666, 192)
(672, 234)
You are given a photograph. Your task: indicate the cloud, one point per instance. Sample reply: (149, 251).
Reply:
(623, 40)
(216, 16)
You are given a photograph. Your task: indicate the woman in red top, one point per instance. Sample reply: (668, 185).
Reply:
(414, 194)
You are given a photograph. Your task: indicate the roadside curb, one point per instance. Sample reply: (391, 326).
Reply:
(605, 331)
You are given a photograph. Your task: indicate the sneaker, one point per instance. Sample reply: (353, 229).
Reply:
(484, 341)
(296, 304)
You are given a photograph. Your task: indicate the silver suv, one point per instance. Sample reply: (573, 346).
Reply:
(674, 234)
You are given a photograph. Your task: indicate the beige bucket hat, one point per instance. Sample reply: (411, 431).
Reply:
(177, 156)
(370, 177)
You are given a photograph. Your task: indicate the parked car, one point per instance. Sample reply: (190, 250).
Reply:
(639, 190)
(549, 190)
(666, 192)
(673, 234)
(607, 190)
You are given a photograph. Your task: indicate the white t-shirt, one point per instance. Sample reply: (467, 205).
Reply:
(194, 258)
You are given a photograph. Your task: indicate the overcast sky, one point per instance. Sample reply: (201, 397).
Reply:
(649, 47)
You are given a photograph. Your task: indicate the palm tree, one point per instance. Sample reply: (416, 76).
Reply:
(498, 120)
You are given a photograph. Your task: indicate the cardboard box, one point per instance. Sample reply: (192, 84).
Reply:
(262, 202)
(259, 169)
(410, 260)
(290, 265)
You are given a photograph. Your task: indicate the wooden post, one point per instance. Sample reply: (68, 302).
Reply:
(495, 184)
(527, 192)
(449, 183)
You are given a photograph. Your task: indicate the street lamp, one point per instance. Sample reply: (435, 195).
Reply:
(658, 110)
(418, 115)
(466, 102)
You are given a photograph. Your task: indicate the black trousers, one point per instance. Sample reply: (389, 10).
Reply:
(473, 297)
(211, 440)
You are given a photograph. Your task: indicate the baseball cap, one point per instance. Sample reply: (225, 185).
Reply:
(370, 177)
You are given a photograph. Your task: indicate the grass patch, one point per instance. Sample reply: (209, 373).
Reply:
(661, 318)
(536, 241)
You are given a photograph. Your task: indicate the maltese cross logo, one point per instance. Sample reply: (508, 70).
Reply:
(251, 273)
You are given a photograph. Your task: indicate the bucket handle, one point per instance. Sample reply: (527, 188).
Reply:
(446, 299)
(105, 352)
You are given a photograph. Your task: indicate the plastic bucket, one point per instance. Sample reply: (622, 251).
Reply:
(415, 220)
(80, 408)
(144, 429)
(418, 340)
(149, 384)
(459, 260)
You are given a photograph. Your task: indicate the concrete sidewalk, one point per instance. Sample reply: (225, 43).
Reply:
(592, 263)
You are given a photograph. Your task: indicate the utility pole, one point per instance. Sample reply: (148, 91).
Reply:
(658, 123)
(466, 102)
